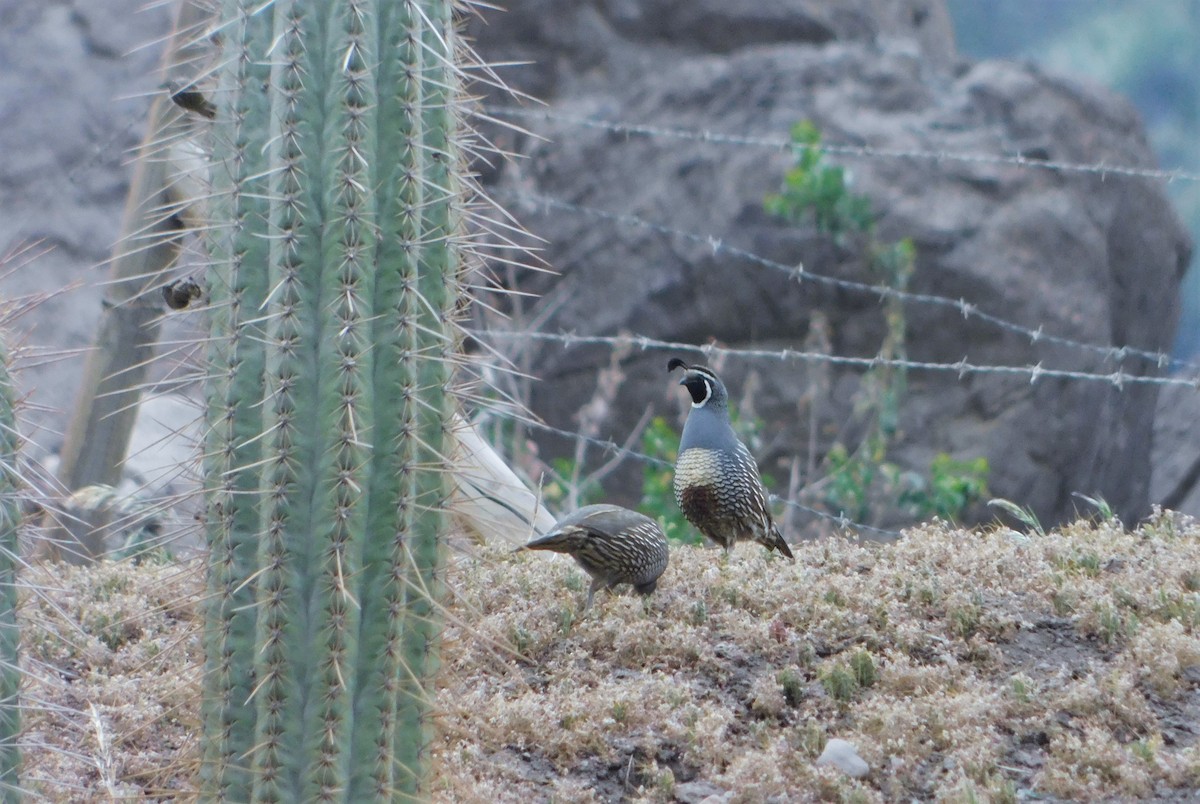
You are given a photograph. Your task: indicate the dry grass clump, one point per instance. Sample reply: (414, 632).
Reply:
(111, 698)
(963, 665)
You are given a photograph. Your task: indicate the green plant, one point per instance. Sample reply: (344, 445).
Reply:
(1146, 749)
(336, 284)
(520, 639)
(818, 191)
(950, 487)
(793, 686)
(566, 619)
(1101, 505)
(661, 440)
(965, 619)
(862, 665)
(665, 784)
(840, 682)
(1112, 624)
(620, 711)
(858, 480)
(1084, 562)
(848, 482)
(1024, 515)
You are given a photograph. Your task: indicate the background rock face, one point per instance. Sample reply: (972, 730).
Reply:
(1087, 256)
(74, 84)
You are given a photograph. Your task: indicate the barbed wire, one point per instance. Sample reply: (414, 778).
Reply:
(611, 447)
(968, 310)
(835, 149)
(962, 368)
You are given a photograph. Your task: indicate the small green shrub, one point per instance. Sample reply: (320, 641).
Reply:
(1020, 690)
(792, 684)
(858, 480)
(863, 667)
(840, 682)
(813, 190)
(965, 619)
(950, 487)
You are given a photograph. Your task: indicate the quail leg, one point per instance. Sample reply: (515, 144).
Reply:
(596, 584)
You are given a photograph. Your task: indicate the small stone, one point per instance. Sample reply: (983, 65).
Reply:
(699, 792)
(842, 755)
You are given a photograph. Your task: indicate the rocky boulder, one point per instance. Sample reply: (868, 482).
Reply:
(1089, 256)
(75, 83)
(1085, 255)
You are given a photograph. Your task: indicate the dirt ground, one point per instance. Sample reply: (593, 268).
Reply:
(981, 665)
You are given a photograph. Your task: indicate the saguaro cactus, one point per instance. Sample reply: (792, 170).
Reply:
(10, 515)
(336, 213)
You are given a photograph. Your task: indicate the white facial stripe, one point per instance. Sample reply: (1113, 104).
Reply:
(707, 394)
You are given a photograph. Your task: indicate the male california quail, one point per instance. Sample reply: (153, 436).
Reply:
(613, 545)
(717, 484)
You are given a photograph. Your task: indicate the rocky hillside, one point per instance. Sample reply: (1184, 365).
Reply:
(959, 665)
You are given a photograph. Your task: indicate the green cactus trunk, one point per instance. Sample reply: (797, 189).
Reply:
(238, 289)
(336, 218)
(10, 520)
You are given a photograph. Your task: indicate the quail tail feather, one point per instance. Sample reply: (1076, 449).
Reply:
(775, 541)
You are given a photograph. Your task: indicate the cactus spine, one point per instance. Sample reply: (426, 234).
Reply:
(336, 218)
(10, 516)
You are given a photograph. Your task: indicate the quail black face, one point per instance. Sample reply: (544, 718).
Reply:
(699, 381)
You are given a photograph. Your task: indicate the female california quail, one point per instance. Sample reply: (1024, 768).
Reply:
(613, 545)
(717, 484)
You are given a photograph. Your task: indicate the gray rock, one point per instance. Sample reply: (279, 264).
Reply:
(1083, 255)
(1089, 256)
(842, 755)
(75, 84)
(572, 44)
(699, 791)
(1175, 466)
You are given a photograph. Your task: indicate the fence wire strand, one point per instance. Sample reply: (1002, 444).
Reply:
(963, 368)
(968, 310)
(835, 149)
